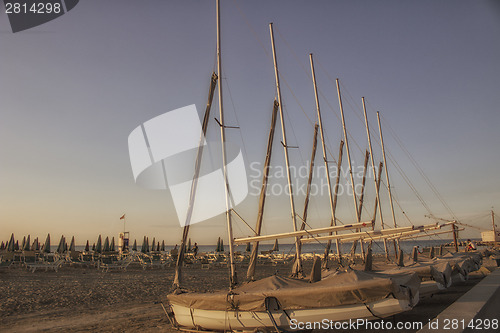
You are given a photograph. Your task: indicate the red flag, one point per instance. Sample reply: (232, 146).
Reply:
(123, 217)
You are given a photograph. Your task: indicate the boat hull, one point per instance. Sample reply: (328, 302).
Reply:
(250, 320)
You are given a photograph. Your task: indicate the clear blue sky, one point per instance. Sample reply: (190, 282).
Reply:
(73, 89)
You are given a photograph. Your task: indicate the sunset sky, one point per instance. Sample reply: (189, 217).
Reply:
(73, 89)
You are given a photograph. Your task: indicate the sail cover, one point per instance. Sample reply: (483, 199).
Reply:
(339, 288)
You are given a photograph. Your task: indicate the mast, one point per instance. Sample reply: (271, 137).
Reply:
(377, 182)
(333, 221)
(180, 257)
(335, 196)
(348, 152)
(297, 267)
(494, 230)
(233, 279)
(361, 199)
(455, 242)
(396, 243)
(309, 181)
(377, 186)
(262, 198)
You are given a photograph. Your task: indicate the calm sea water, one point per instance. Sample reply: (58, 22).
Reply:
(378, 247)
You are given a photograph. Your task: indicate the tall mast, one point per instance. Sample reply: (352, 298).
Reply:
(377, 183)
(361, 199)
(348, 152)
(494, 229)
(396, 243)
(180, 258)
(309, 179)
(333, 221)
(233, 279)
(297, 267)
(335, 197)
(262, 199)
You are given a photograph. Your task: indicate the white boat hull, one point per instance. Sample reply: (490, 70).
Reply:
(249, 320)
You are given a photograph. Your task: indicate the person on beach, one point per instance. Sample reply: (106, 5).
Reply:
(174, 252)
(470, 245)
(195, 249)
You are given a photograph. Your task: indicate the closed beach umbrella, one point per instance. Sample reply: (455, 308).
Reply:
(158, 247)
(72, 244)
(106, 245)
(16, 247)
(221, 245)
(60, 247)
(189, 246)
(143, 247)
(276, 247)
(2, 246)
(46, 247)
(98, 247)
(65, 245)
(36, 245)
(248, 248)
(112, 245)
(217, 248)
(134, 247)
(153, 245)
(147, 244)
(23, 243)
(27, 245)
(12, 245)
(87, 247)
(93, 247)
(162, 245)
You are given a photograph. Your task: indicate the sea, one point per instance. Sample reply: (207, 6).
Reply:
(377, 247)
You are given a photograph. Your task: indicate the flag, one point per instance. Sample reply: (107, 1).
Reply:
(123, 217)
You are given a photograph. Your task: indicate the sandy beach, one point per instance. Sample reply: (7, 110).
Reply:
(79, 299)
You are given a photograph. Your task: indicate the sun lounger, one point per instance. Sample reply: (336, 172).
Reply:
(46, 265)
(107, 264)
(5, 264)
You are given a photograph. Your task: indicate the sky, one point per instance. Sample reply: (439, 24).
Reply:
(73, 89)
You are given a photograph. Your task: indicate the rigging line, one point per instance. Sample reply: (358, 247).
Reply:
(241, 218)
(319, 90)
(237, 119)
(256, 36)
(407, 179)
(420, 170)
(290, 124)
(335, 110)
(309, 79)
(392, 159)
(394, 197)
(357, 114)
(410, 184)
(270, 58)
(294, 55)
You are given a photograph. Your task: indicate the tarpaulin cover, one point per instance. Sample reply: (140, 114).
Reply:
(339, 288)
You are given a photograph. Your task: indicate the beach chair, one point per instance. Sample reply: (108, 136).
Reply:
(87, 259)
(113, 263)
(29, 257)
(74, 257)
(6, 260)
(49, 262)
(157, 260)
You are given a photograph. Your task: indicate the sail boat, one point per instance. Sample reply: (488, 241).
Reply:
(278, 301)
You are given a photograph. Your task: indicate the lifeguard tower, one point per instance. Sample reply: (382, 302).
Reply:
(123, 242)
